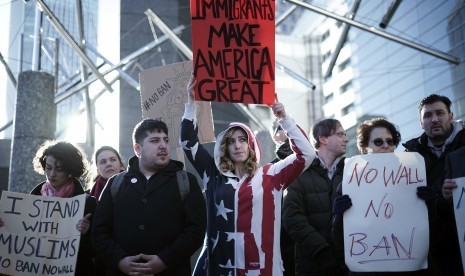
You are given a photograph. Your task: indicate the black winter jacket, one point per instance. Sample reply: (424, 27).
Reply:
(443, 234)
(150, 217)
(84, 265)
(307, 216)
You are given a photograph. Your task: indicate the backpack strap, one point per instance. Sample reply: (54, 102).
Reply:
(183, 183)
(116, 184)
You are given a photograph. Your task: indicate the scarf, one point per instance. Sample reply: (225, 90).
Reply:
(97, 189)
(64, 192)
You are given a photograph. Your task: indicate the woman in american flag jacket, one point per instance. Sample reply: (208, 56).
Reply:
(243, 198)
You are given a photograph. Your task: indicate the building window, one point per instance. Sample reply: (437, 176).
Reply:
(345, 87)
(346, 110)
(344, 65)
(326, 56)
(329, 97)
(325, 36)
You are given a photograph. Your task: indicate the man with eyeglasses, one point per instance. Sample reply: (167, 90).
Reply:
(441, 136)
(307, 207)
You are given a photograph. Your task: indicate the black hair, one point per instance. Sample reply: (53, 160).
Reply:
(72, 158)
(432, 99)
(146, 126)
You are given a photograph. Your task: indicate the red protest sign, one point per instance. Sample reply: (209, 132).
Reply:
(233, 45)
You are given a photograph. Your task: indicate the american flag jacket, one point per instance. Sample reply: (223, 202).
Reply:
(244, 215)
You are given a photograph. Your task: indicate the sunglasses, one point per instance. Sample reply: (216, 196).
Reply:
(379, 142)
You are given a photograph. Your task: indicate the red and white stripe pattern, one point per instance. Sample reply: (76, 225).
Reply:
(244, 215)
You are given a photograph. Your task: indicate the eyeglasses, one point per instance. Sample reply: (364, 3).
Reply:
(340, 134)
(379, 142)
(277, 129)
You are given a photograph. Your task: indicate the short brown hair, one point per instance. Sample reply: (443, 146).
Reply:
(365, 128)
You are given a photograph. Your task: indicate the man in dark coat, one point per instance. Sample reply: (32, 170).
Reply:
(442, 135)
(454, 168)
(147, 227)
(307, 208)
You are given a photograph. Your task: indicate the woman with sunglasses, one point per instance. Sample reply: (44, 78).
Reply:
(376, 135)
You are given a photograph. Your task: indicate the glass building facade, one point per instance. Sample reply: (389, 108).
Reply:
(375, 76)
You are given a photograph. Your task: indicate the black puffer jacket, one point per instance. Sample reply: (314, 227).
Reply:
(307, 216)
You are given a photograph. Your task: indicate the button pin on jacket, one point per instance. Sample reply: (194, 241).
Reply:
(134, 180)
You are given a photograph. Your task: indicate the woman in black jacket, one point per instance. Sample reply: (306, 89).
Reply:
(376, 135)
(64, 164)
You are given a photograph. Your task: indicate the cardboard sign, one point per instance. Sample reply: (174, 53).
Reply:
(459, 210)
(163, 95)
(39, 236)
(233, 47)
(386, 229)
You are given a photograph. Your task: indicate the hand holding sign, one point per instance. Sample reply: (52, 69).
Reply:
(278, 110)
(448, 188)
(84, 224)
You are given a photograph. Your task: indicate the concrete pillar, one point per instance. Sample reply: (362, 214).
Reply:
(34, 122)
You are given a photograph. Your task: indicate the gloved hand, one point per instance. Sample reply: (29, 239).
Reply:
(327, 262)
(341, 204)
(427, 193)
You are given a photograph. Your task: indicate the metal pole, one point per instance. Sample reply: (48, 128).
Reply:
(387, 17)
(125, 76)
(8, 71)
(56, 23)
(90, 137)
(378, 32)
(294, 75)
(56, 48)
(342, 39)
(168, 32)
(37, 40)
(62, 95)
(285, 15)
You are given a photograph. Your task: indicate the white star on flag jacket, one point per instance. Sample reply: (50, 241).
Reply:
(244, 215)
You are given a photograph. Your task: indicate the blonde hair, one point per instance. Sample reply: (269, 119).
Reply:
(226, 164)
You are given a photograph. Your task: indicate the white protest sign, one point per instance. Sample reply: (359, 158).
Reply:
(459, 210)
(39, 236)
(386, 229)
(163, 94)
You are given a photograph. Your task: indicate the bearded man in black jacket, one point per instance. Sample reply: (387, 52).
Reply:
(442, 136)
(148, 226)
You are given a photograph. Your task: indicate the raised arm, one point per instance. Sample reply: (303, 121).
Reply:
(288, 169)
(199, 157)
